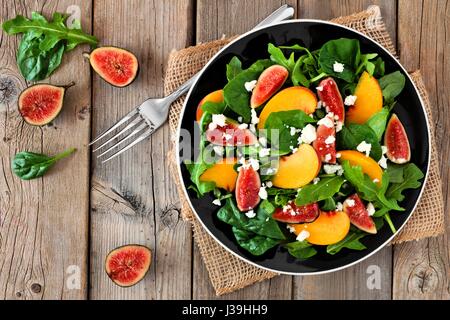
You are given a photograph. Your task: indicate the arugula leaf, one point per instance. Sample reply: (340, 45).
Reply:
(277, 56)
(353, 134)
(29, 165)
(411, 176)
(300, 249)
(366, 64)
(234, 67)
(392, 85)
(379, 68)
(298, 77)
(328, 204)
(395, 172)
(42, 46)
(281, 196)
(345, 51)
(324, 189)
(253, 243)
(378, 122)
(351, 241)
(282, 121)
(262, 224)
(235, 94)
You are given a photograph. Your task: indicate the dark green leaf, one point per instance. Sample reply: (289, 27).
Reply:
(353, 134)
(411, 176)
(300, 249)
(379, 68)
(324, 189)
(253, 243)
(213, 107)
(378, 122)
(328, 205)
(392, 85)
(395, 172)
(277, 56)
(234, 67)
(351, 241)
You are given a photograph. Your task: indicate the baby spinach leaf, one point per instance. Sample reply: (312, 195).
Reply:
(29, 165)
(234, 67)
(277, 56)
(345, 51)
(378, 122)
(351, 241)
(379, 68)
(411, 176)
(366, 64)
(235, 94)
(301, 249)
(353, 134)
(324, 189)
(253, 243)
(262, 224)
(197, 168)
(214, 107)
(282, 121)
(392, 85)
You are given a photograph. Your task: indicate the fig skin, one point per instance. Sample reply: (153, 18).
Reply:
(118, 249)
(50, 119)
(396, 140)
(87, 55)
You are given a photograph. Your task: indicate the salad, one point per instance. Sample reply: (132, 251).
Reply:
(302, 149)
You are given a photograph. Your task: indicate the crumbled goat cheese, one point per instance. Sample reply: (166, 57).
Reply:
(243, 126)
(303, 235)
(338, 67)
(338, 155)
(316, 180)
(294, 150)
(212, 126)
(327, 157)
(308, 134)
(240, 119)
(227, 136)
(217, 202)
(219, 120)
(339, 206)
(252, 128)
(290, 228)
(250, 214)
(319, 88)
(319, 105)
(254, 163)
(262, 193)
(263, 141)
(255, 118)
(330, 140)
(269, 184)
(383, 162)
(376, 180)
(364, 147)
(370, 209)
(293, 131)
(333, 168)
(400, 160)
(350, 100)
(250, 85)
(264, 152)
(326, 121)
(218, 150)
(384, 149)
(339, 125)
(350, 202)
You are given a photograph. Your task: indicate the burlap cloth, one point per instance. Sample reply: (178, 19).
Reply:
(228, 273)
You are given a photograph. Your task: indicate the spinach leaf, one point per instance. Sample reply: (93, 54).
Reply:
(277, 56)
(366, 64)
(234, 67)
(235, 94)
(353, 134)
(29, 165)
(411, 176)
(351, 241)
(378, 122)
(324, 189)
(42, 46)
(214, 107)
(328, 204)
(253, 243)
(197, 168)
(282, 122)
(392, 85)
(301, 249)
(345, 51)
(262, 224)
(379, 68)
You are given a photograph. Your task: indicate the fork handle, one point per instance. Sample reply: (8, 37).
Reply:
(183, 88)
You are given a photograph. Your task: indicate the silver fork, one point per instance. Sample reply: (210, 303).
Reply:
(141, 122)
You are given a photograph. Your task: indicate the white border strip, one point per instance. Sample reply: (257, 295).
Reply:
(179, 163)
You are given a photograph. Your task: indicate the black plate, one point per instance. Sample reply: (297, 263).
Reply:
(311, 34)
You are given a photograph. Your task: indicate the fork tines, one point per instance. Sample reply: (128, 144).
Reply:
(135, 130)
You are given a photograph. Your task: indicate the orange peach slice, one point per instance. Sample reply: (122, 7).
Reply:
(367, 164)
(215, 96)
(368, 102)
(297, 169)
(222, 173)
(292, 98)
(329, 228)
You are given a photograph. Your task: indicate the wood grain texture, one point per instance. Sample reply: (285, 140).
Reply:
(350, 283)
(150, 29)
(421, 269)
(43, 227)
(215, 18)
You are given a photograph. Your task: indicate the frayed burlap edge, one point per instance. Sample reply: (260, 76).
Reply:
(227, 272)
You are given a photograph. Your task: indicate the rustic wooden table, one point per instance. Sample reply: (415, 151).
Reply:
(56, 231)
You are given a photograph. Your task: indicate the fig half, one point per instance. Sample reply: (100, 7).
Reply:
(396, 141)
(41, 103)
(116, 66)
(127, 265)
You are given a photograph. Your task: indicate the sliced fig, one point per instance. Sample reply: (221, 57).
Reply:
(291, 213)
(127, 265)
(230, 135)
(269, 82)
(116, 66)
(358, 214)
(325, 143)
(41, 103)
(396, 141)
(329, 95)
(247, 188)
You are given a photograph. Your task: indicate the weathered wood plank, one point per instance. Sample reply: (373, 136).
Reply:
(351, 283)
(150, 29)
(215, 18)
(421, 269)
(43, 228)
